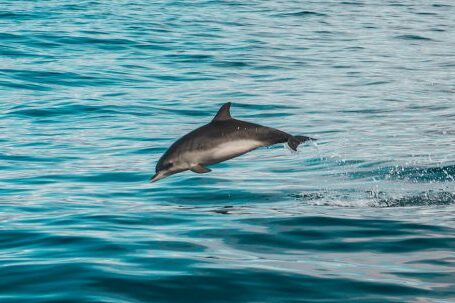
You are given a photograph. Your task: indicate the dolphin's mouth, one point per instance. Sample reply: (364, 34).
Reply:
(164, 174)
(157, 177)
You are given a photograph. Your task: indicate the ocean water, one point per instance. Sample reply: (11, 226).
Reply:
(93, 92)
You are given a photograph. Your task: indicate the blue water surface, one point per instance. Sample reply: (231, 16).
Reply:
(93, 92)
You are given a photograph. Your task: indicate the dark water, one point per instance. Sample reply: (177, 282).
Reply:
(92, 93)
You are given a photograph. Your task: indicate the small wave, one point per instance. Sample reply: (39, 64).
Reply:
(413, 37)
(113, 177)
(29, 158)
(302, 14)
(429, 198)
(190, 58)
(45, 77)
(441, 5)
(378, 199)
(25, 86)
(75, 110)
(56, 111)
(236, 64)
(409, 173)
(21, 16)
(101, 43)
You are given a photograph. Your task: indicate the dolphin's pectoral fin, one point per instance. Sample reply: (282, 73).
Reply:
(199, 169)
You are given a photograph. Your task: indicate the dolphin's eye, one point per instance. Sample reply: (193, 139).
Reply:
(167, 165)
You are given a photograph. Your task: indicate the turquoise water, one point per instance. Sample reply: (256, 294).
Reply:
(93, 92)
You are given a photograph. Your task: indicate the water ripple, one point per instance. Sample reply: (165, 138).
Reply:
(93, 92)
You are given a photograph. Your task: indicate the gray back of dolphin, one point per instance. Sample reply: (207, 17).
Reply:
(222, 139)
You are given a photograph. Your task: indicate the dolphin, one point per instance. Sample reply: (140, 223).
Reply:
(222, 139)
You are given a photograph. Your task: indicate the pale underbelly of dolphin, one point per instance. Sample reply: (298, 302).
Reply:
(221, 152)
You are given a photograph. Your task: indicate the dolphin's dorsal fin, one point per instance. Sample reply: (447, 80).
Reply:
(223, 113)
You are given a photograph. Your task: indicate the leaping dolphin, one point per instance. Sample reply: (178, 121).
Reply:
(222, 139)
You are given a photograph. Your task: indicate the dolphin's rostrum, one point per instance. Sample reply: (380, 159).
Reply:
(222, 139)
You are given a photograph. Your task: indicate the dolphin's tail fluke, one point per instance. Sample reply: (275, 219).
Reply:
(295, 141)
